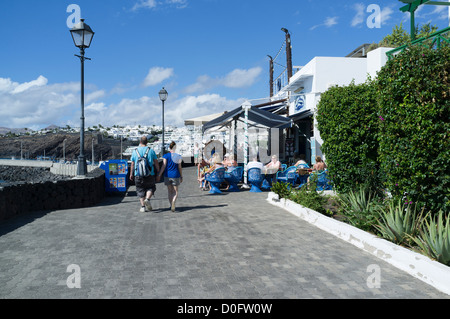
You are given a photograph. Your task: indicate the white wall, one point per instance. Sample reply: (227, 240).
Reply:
(376, 59)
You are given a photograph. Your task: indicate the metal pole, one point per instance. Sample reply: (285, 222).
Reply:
(163, 130)
(413, 27)
(246, 107)
(82, 167)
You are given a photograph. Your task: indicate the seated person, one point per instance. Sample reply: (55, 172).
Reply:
(320, 165)
(254, 163)
(202, 166)
(274, 165)
(229, 161)
(301, 160)
(215, 163)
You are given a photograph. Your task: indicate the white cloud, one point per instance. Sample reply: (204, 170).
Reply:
(358, 19)
(151, 4)
(146, 4)
(237, 78)
(157, 75)
(386, 14)
(147, 111)
(36, 102)
(94, 96)
(329, 22)
(40, 81)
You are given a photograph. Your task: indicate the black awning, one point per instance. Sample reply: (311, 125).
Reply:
(255, 115)
(301, 115)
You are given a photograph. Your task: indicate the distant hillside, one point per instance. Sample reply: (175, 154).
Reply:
(52, 145)
(6, 130)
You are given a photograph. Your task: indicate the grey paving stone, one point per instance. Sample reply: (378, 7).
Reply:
(234, 245)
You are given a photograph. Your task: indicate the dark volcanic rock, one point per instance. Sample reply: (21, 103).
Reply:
(14, 174)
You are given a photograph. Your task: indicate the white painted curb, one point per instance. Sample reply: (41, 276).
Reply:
(415, 264)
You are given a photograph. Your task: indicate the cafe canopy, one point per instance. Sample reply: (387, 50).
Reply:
(255, 116)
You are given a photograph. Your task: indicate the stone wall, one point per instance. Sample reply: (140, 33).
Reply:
(19, 198)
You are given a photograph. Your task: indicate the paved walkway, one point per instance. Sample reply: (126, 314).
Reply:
(229, 246)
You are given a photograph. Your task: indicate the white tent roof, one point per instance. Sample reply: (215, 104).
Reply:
(203, 119)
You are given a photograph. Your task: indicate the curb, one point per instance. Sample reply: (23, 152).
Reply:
(415, 264)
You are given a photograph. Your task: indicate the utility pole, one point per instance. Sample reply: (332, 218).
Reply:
(271, 75)
(288, 53)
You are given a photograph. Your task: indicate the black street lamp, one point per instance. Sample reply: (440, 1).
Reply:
(82, 36)
(163, 95)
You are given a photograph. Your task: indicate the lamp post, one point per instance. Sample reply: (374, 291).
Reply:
(82, 36)
(163, 97)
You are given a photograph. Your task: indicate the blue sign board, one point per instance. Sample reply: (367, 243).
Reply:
(116, 172)
(300, 103)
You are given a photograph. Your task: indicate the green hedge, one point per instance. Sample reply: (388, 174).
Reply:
(414, 140)
(348, 124)
(393, 132)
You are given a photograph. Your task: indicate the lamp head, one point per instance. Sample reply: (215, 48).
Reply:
(82, 35)
(163, 95)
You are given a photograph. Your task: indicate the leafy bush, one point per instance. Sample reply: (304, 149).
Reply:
(414, 122)
(310, 199)
(399, 222)
(360, 208)
(281, 189)
(434, 238)
(348, 124)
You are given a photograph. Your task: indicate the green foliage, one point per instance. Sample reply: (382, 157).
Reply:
(307, 196)
(399, 222)
(400, 36)
(360, 208)
(414, 126)
(281, 189)
(348, 123)
(397, 38)
(434, 238)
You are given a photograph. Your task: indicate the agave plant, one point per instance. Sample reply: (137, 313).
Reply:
(360, 208)
(399, 222)
(434, 238)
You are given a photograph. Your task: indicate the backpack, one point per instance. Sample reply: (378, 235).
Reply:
(143, 169)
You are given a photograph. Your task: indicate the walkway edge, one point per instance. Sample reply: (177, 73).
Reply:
(415, 264)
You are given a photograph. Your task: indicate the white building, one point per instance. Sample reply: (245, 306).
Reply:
(302, 95)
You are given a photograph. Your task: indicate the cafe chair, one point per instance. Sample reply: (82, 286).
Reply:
(288, 176)
(255, 178)
(323, 182)
(216, 178)
(233, 177)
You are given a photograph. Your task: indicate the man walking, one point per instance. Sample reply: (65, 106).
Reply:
(145, 176)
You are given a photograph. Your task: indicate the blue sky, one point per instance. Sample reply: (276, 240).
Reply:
(210, 55)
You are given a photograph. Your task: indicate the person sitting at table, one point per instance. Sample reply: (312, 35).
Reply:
(202, 166)
(274, 165)
(229, 161)
(320, 165)
(215, 163)
(301, 160)
(254, 163)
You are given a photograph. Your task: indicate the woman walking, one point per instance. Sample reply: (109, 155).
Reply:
(173, 174)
